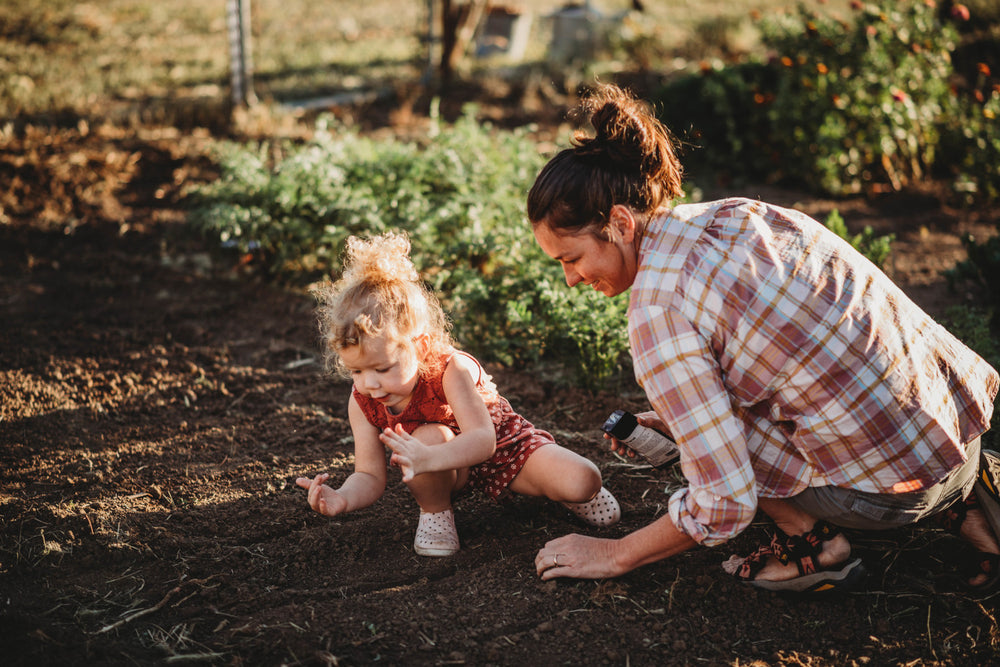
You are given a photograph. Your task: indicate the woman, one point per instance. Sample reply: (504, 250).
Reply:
(795, 377)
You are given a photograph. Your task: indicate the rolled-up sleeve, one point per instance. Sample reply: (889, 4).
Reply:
(684, 384)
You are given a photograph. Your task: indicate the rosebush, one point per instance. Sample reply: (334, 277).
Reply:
(842, 106)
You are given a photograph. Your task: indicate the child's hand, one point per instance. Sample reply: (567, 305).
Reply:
(407, 452)
(321, 497)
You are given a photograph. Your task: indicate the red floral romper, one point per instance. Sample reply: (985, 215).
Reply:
(517, 438)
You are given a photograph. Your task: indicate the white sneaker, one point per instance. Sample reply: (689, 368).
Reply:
(601, 510)
(436, 534)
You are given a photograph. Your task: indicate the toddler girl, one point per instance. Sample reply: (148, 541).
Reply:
(433, 406)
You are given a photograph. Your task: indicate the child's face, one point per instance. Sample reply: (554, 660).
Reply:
(383, 370)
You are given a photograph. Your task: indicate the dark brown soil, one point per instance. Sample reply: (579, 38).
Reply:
(157, 402)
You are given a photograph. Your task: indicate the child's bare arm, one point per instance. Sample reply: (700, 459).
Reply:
(365, 485)
(476, 442)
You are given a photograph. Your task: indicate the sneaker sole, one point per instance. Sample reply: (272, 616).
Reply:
(437, 553)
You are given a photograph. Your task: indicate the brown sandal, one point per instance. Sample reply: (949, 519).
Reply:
(804, 551)
(984, 498)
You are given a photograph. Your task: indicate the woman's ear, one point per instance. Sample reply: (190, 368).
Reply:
(622, 221)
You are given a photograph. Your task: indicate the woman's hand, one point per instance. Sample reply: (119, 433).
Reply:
(579, 557)
(619, 447)
(321, 497)
(652, 420)
(409, 453)
(649, 419)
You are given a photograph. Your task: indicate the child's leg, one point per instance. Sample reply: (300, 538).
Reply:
(433, 490)
(436, 534)
(558, 474)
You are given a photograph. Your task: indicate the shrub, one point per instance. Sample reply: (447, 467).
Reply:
(980, 271)
(840, 107)
(971, 144)
(459, 196)
(875, 248)
(970, 325)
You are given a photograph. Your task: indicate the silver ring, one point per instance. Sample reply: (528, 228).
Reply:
(555, 560)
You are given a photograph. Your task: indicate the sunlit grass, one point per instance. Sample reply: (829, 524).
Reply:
(91, 58)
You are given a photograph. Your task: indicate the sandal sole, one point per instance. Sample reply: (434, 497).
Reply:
(825, 582)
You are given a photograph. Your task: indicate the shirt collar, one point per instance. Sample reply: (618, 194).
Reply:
(667, 243)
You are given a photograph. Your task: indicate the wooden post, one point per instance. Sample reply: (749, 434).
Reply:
(240, 52)
(459, 21)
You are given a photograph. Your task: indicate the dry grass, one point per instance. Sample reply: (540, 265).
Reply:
(63, 59)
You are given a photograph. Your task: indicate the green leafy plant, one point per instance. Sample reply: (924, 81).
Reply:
(972, 145)
(971, 326)
(459, 196)
(840, 106)
(980, 271)
(876, 248)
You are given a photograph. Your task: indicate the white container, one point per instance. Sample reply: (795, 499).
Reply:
(652, 445)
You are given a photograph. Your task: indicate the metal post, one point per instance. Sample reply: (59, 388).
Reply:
(240, 53)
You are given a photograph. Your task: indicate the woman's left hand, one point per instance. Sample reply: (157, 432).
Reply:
(407, 452)
(577, 556)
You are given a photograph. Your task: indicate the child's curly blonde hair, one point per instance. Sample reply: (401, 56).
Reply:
(380, 294)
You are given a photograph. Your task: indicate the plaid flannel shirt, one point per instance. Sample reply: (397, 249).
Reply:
(780, 358)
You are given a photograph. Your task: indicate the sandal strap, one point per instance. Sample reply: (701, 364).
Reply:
(753, 563)
(804, 549)
(951, 519)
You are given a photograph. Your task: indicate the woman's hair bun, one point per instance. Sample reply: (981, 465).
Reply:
(624, 133)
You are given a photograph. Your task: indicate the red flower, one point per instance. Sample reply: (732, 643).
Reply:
(983, 68)
(960, 12)
(898, 95)
(857, 5)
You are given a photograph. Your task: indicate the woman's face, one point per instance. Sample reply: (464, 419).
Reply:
(607, 266)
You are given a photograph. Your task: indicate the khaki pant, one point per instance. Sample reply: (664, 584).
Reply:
(881, 511)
